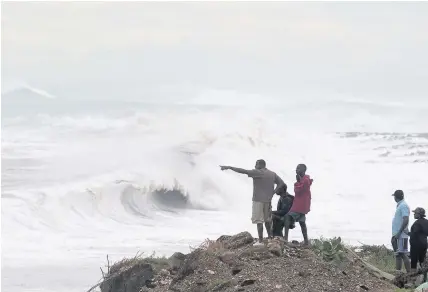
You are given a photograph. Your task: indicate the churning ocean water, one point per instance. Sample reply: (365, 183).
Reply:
(83, 179)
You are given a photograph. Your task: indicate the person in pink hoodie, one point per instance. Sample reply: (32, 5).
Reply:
(301, 204)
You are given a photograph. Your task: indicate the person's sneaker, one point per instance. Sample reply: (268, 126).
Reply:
(258, 243)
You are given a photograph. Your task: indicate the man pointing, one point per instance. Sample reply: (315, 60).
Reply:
(264, 182)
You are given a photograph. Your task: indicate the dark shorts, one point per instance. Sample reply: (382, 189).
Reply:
(298, 217)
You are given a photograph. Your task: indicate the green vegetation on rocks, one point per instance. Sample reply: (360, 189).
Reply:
(329, 249)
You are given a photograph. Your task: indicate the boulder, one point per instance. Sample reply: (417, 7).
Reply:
(187, 267)
(176, 261)
(276, 247)
(236, 241)
(223, 238)
(132, 278)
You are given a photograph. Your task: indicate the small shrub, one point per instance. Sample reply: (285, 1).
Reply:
(210, 246)
(329, 249)
(375, 249)
(379, 256)
(158, 263)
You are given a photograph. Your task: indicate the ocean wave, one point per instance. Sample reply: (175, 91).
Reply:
(122, 202)
(132, 166)
(390, 146)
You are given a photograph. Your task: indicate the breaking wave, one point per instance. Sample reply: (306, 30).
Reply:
(135, 165)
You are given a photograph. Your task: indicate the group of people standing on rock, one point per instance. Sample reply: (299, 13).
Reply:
(290, 208)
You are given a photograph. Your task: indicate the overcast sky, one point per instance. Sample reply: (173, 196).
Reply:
(363, 50)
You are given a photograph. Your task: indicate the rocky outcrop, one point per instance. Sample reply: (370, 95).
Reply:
(131, 278)
(233, 263)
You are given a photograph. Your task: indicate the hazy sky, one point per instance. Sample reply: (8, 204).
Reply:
(365, 50)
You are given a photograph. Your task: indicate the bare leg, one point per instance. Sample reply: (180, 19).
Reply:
(260, 231)
(304, 232)
(286, 226)
(268, 226)
(399, 259)
(398, 262)
(406, 262)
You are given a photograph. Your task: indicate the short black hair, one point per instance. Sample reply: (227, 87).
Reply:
(303, 165)
(262, 162)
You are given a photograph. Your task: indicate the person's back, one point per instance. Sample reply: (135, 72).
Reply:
(284, 204)
(419, 232)
(263, 184)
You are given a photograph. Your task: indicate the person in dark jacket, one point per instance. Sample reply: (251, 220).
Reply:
(278, 217)
(418, 239)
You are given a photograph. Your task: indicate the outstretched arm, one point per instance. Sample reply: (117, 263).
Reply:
(235, 169)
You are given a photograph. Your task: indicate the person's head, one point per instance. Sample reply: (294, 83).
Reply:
(398, 195)
(301, 169)
(283, 191)
(419, 213)
(260, 164)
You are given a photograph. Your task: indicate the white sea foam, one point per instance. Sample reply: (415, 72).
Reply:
(83, 184)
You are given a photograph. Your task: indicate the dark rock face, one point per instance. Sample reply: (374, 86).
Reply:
(131, 279)
(188, 266)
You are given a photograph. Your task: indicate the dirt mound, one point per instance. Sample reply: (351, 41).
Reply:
(234, 263)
